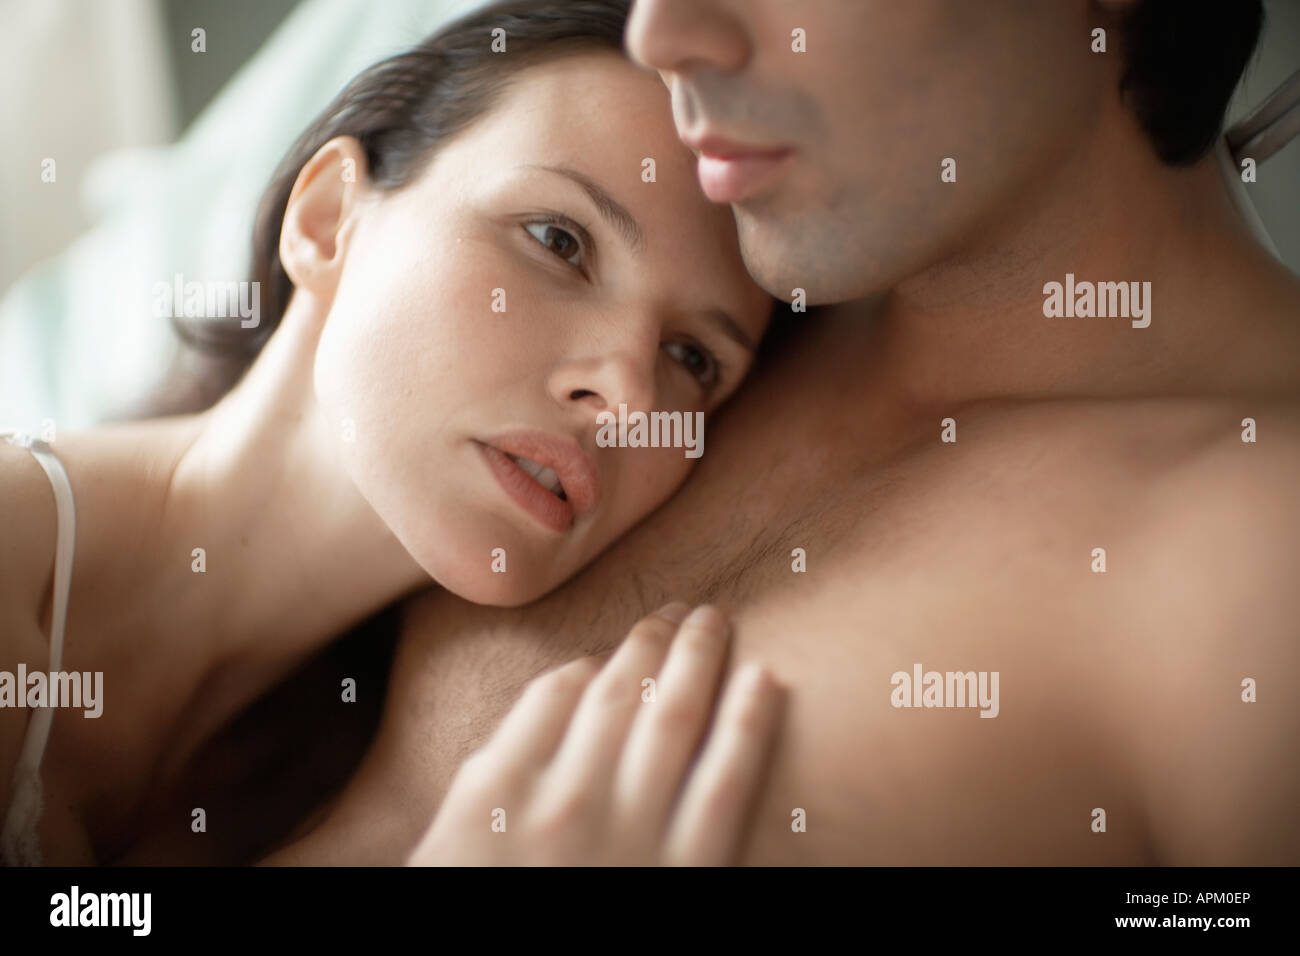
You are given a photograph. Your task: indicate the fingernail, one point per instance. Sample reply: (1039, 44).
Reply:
(675, 611)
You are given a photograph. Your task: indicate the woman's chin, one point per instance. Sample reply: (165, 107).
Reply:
(487, 559)
(503, 587)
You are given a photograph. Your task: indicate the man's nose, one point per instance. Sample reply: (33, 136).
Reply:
(598, 384)
(675, 36)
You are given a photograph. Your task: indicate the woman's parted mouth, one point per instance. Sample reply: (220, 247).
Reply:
(547, 475)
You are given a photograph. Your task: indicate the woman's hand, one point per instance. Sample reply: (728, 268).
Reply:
(597, 765)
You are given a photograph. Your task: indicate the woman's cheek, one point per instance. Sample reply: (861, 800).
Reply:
(364, 386)
(649, 477)
(351, 383)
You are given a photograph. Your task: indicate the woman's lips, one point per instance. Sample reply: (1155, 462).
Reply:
(552, 512)
(574, 468)
(728, 176)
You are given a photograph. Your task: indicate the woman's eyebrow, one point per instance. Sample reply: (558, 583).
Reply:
(609, 208)
(730, 328)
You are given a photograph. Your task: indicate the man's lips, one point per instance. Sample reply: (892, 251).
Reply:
(577, 472)
(730, 171)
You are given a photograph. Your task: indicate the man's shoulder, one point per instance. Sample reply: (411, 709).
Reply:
(1146, 554)
(1189, 511)
(1195, 604)
(1214, 488)
(1170, 456)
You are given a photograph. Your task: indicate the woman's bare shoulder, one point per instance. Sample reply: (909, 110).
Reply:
(27, 517)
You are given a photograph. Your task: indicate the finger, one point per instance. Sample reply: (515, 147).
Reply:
(501, 774)
(667, 731)
(530, 733)
(711, 820)
(586, 758)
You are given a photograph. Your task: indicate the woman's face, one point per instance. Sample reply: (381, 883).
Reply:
(530, 279)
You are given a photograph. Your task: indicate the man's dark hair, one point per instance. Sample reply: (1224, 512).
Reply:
(1183, 59)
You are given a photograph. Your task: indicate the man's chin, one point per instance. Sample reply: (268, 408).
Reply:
(765, 250)
(784, 269)
(798, 260)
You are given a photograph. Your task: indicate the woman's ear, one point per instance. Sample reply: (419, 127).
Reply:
(322, 207)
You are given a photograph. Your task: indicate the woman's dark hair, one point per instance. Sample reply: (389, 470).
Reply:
(1183, 59)
(402, 110)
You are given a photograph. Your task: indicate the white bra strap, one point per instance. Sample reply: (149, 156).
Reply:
(65, 538)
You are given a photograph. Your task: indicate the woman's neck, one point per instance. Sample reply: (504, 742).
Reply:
(304, 554)
(291, 554)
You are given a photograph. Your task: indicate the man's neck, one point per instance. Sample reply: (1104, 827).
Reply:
(973, 327)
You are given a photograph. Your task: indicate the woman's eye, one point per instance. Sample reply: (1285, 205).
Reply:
(559, 241)
(699, 362)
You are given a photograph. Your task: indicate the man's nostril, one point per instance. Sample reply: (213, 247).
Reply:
(579, 393)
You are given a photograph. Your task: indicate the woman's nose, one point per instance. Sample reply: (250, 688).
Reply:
(675, 36)
(603, 383)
